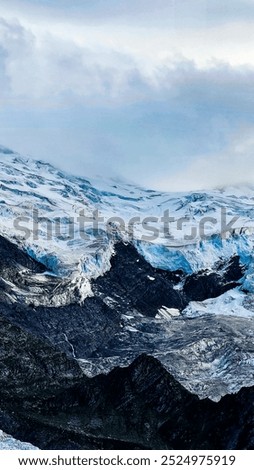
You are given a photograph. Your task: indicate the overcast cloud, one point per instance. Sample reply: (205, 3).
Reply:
(162, 90)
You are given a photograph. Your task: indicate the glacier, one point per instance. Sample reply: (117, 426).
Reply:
(200, 345)
(28, 185)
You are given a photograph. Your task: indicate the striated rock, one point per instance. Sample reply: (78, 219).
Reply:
(138, 407)
(47, 400)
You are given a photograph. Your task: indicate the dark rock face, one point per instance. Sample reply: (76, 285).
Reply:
(138, 407)
(29, 365)
(13, 261)
(206, 285)
(128, 279)
(80, 330)
(85, 327)
(45, 398)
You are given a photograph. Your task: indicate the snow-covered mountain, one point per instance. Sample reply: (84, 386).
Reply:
(31, 189)
(204, 340)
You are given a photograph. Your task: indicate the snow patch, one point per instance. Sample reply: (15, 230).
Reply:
(166, 313)
(232, 303)
(9, 443)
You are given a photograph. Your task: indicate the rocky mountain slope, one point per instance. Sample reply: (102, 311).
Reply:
(111, 340)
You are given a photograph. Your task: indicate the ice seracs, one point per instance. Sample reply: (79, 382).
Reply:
(53, 216)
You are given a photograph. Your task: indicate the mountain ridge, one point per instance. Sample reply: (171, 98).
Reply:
(86, 306)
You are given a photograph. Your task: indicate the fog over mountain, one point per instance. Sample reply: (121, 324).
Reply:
(162, 90)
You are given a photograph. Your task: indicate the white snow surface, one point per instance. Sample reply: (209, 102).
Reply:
(27, 186)
(9, 443)
(234, 302)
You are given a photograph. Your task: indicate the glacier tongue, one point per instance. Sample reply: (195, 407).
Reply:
(201, 255)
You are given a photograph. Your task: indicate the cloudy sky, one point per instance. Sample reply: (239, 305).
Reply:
(159, 92)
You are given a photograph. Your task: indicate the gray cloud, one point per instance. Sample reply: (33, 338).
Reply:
(59, 71)
(236, 10)
(162, 12)
(230, 167)
(50, 71)
(98, 110)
